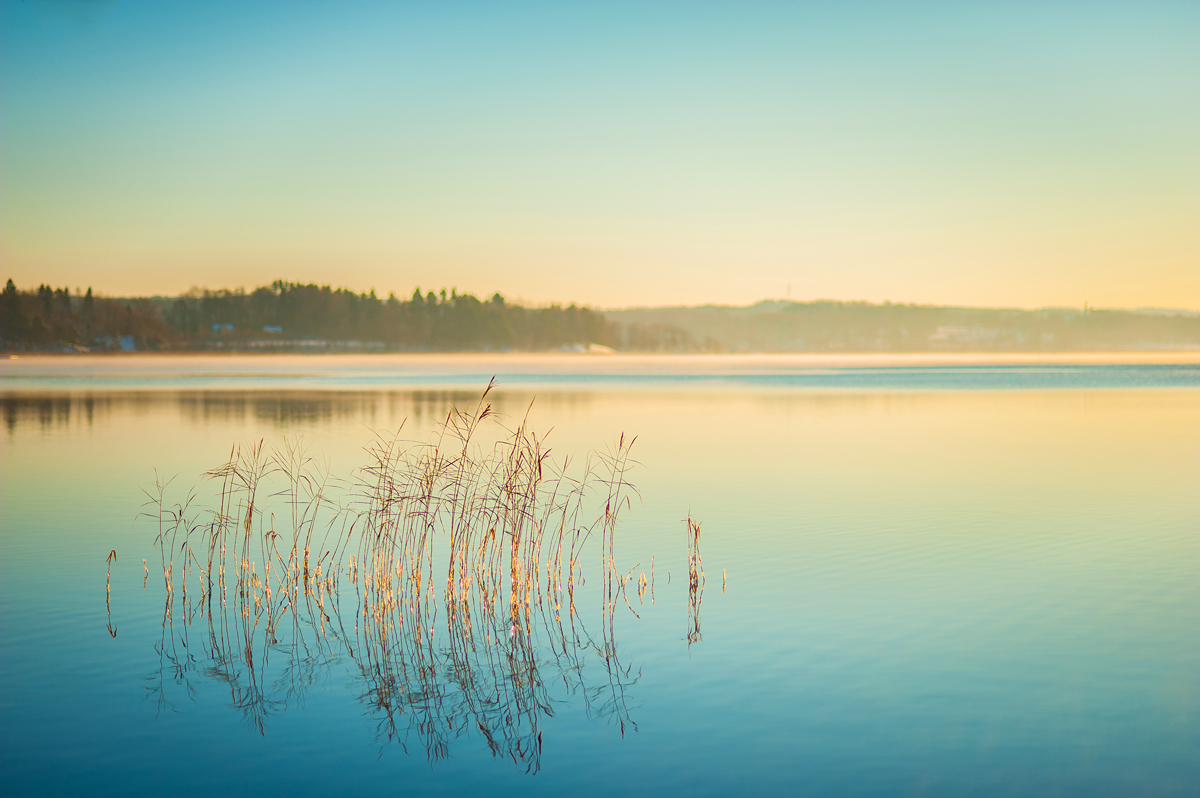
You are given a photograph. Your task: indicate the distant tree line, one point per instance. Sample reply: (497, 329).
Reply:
(293, 315)
(777, 326)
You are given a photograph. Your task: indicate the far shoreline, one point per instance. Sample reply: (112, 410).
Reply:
(814, 359)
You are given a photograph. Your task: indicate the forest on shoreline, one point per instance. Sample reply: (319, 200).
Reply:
(288, 317)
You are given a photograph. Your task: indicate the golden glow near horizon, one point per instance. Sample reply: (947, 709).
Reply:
(614, 155)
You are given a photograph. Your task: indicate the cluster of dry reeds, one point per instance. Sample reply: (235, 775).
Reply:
(464, 563)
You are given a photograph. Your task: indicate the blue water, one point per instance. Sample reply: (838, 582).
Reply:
(939, 580)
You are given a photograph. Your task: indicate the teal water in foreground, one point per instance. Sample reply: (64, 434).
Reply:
(938, 580)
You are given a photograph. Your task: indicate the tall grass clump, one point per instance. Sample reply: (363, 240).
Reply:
(449, 572)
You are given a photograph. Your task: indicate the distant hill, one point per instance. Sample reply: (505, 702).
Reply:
(782, 326)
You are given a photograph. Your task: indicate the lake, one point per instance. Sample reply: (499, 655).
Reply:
(921, 575)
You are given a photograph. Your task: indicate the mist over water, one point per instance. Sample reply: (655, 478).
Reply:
(939, 579)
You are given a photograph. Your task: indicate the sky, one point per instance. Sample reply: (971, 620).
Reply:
(1013, 154)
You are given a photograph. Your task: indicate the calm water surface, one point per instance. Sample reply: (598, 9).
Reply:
(941, 579)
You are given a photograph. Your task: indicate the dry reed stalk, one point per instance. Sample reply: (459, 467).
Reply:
(109, 560)
(695, 581)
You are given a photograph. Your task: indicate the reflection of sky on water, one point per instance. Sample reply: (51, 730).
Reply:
(949, 591)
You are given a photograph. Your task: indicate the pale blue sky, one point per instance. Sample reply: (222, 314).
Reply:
(1021, 154)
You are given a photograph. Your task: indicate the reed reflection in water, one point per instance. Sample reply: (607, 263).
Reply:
(450, 573)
